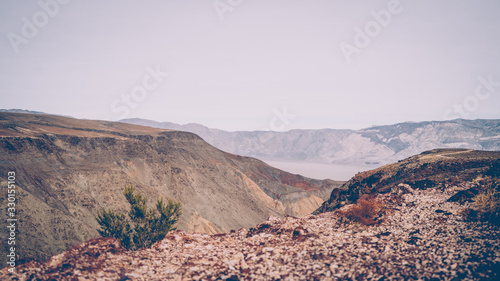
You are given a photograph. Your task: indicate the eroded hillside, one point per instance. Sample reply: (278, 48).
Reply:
(69, 169)
(437, 168)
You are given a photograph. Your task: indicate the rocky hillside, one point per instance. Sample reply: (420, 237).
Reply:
(421, 236)
(68, 169)
(438, 168)
(380, 144)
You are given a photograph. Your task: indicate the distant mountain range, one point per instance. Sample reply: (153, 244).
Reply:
(17, 110)
(371, 146)
(377, 145)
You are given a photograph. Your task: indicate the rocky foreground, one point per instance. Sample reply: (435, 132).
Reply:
(421, 236)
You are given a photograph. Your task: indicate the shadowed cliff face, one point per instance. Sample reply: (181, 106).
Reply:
(69, 169)
(437, 168)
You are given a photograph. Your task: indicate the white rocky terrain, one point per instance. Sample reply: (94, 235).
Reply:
(374, 145)
(420, 236)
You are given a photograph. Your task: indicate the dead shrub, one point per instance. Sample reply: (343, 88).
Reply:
(366, 211)
(487, 206)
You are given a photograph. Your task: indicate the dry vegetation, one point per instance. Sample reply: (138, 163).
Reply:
(366, 211)
(487, 206)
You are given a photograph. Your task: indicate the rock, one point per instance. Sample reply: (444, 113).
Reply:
(320, 247)
(406, 188)
(463, 196)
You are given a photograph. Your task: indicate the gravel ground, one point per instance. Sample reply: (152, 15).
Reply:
(421, 236)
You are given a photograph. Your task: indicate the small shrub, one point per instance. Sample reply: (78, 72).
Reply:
(114, 225)
(365, 211)
(486, 202)
(145, 226)
(487, 206)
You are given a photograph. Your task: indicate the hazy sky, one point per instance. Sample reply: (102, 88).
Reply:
(249, 65)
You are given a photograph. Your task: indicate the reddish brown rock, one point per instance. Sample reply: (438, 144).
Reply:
(408, 244)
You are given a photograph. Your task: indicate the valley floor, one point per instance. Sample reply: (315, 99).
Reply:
(421, 237)
(315, 170)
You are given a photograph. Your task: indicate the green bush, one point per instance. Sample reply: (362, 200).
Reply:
(144, 226)
(114, 225)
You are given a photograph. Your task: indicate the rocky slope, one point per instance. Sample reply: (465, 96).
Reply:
(421, 236)
(69, 169)
(379, 144)
(432, 169)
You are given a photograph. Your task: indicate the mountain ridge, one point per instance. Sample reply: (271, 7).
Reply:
(438, 168)
(376, 145)
(68, 169)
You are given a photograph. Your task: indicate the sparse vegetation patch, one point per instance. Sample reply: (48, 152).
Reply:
(366, 211)
(145, 226)
(487, 206)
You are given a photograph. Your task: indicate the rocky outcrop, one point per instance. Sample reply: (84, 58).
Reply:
(421, 236)
(69, 169)
(432, 169)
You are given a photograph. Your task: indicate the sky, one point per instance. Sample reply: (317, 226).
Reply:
(253, 65)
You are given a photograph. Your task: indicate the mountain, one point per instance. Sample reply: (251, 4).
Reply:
(363, 148)
(422, 232)
(66, 170)
(437, 168)
(17, 110)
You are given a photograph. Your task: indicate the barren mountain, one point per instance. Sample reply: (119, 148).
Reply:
(66, 170)
(379, 144)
